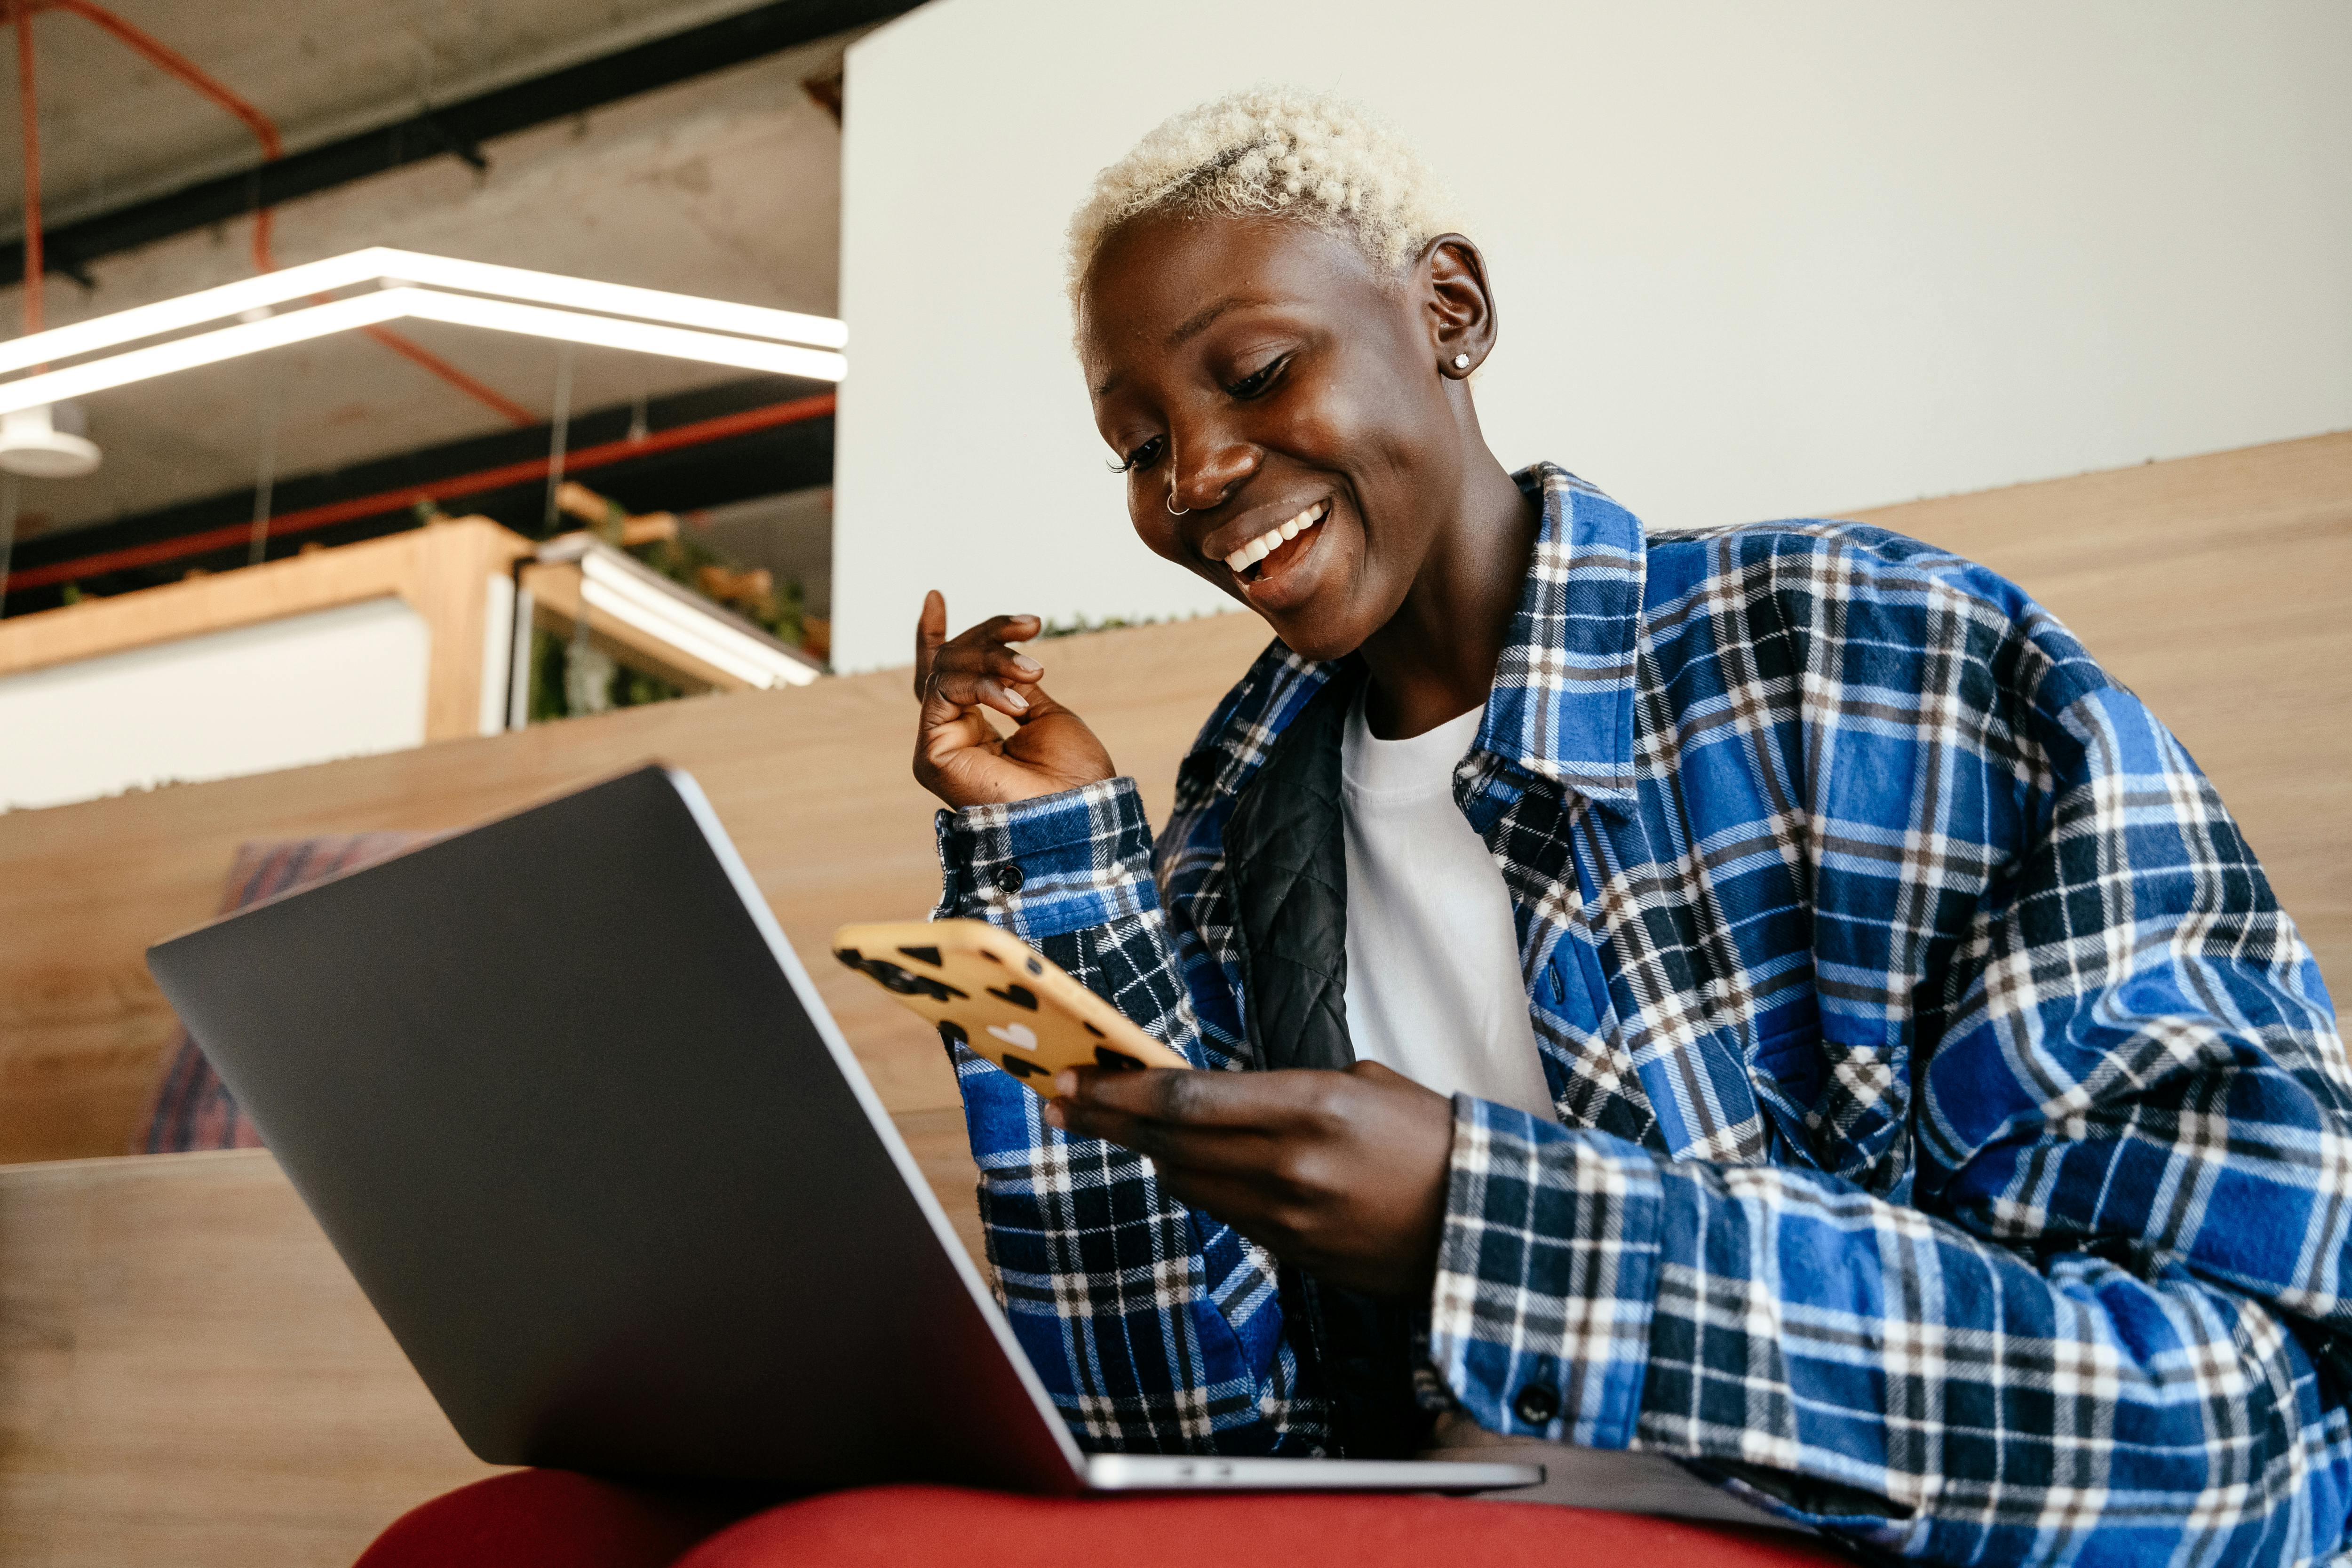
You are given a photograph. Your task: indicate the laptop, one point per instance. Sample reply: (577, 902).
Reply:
(564, 1099)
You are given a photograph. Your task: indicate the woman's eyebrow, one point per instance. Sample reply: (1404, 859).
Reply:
(1198, 322)
(1192, 326)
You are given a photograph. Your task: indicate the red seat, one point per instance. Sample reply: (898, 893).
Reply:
(548, 1519)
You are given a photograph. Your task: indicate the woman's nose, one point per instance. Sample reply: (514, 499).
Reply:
(1205, 483)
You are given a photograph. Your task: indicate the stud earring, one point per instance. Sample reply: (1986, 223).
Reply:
(1462, 362)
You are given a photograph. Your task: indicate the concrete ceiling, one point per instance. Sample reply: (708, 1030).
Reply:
(114, 128)
(727, 186)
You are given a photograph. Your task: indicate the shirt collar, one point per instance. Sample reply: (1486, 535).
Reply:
(1562, 707)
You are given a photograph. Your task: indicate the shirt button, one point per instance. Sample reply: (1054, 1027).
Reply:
(1535, 1405)
(1009, 878)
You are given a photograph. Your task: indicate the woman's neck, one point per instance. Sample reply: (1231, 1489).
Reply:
(1435, 658)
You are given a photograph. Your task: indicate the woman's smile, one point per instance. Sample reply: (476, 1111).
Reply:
(1272, 540)
(1269, 568)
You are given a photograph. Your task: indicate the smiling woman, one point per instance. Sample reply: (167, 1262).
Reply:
(1762, 997)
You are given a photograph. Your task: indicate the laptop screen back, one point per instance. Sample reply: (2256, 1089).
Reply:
(578, 1129)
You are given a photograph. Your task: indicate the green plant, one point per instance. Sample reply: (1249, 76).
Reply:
(550, 666)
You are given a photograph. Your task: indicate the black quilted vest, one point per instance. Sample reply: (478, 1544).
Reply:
(1287, 861)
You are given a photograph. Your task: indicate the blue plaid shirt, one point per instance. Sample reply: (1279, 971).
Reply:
(1954, 1143)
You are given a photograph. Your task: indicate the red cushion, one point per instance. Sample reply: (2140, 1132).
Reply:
(547, 1518)
(552, 1519)
(888, 1527)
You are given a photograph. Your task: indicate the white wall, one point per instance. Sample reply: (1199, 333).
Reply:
(306, 688)
(1753, 260)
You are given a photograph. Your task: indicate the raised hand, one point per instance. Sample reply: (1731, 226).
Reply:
(959, 756)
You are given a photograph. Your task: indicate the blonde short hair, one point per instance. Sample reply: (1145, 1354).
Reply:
(1271, 151)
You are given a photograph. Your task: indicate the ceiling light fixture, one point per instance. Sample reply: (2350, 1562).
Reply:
(45, 442)
(275, 309)
(616, 586)
(615, 333)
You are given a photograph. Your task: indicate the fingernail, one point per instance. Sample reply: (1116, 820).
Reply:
(1053, 1115)
(1065, 1082)
(1027, 666)
(1015, 698)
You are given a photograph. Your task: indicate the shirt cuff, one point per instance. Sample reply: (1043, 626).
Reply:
(1547, 1277)
(1047, 867)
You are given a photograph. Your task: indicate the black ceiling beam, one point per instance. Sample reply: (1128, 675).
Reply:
(453, 130)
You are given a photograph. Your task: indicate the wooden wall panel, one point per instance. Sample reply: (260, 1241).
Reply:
(189, 1376)
(812, 783)
(2216, 586)
(2219, 589)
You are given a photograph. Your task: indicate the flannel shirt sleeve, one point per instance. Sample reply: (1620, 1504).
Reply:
(1154, 1329)
(2109, 1302)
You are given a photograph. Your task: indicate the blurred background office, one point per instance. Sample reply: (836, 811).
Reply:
(409, 410)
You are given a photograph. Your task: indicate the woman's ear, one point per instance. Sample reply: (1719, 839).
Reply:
(1460, 306)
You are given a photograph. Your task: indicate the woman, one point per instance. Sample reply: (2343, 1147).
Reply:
(1762, 997)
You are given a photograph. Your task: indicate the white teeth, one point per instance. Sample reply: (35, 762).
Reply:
(1265, 543)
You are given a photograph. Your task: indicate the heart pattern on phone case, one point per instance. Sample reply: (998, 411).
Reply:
(1020, 1035)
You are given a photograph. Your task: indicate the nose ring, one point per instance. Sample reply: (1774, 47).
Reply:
(1173, 509)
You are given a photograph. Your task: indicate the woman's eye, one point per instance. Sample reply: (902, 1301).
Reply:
(1143, 456)
(1257, 380)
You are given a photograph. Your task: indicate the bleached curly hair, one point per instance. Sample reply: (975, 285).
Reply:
(1268, 150)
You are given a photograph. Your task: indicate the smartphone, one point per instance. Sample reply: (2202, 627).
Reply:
(986, 989)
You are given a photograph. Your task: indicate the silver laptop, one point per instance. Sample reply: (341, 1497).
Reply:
(564, 1099)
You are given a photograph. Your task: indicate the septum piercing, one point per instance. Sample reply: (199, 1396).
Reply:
(1462, 362)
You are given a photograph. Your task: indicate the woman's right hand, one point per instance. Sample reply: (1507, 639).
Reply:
(959, 756)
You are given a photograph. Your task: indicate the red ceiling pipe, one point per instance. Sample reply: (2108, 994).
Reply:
(32, 170)
(586, 457)
(173, 63)
(410, 349)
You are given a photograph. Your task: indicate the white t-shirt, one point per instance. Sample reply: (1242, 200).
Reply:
(1433, 983)
(1434, 992)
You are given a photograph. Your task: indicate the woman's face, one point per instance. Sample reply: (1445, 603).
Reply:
(1292, 396)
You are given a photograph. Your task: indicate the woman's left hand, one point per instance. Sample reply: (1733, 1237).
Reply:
(1342, 1174)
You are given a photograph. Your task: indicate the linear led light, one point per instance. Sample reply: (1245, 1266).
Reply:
(694, 628)
(616, 593)
(430, 304)
(612, 299)
(603, 599)
(612, 332)
(382, 264)
(207, 348)
(235, 298)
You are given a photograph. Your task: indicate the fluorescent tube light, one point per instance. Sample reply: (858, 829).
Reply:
(600, 598)
(205, 348)
(384, 264)
(429, 304)
(191, 310)
(685, 613)
(763, 668)
(613, 588)
(612, 332)
(612, 299)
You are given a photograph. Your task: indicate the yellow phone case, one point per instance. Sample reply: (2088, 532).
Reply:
(986, 989)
